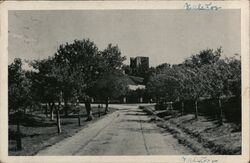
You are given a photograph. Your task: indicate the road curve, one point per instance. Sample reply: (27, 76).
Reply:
(127, 131)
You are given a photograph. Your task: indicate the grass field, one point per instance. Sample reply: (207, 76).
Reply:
(39, 132)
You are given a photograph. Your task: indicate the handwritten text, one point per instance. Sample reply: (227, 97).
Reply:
(198, 160)
(206, 6)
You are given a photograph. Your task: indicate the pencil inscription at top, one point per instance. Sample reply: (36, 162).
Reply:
(206, 6)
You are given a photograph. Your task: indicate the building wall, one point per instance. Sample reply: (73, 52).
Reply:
(139, 62)
(132, 62)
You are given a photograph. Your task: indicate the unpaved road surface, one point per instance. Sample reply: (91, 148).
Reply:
(127, 131)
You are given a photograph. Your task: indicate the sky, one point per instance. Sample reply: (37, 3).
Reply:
(165, 36)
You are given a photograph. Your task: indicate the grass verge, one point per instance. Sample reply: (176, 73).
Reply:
(203, 136)
(39, 132)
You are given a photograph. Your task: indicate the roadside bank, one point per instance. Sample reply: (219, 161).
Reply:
(204, 136)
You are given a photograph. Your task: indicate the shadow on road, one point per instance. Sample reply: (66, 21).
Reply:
(136, 120)
(136, 114)
(144, 130)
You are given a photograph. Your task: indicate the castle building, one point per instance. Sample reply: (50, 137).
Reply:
(139, 62)
(138, 65)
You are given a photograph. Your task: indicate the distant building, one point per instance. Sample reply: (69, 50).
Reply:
(138, 65)
(135, 83)
(139, 62)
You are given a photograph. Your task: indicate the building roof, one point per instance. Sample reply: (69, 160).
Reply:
(136, 80)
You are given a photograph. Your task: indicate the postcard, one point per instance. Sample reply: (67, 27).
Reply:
(124, 81)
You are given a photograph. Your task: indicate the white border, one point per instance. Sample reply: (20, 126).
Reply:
(81, 5)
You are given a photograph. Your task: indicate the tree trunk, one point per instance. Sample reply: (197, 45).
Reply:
(41, 108)
(46, 110)
(106, 107)
(18, 137)
(24, 110)
(78, 112)
(79, 118)
(66, 107)
(196, 109)
(58, 121)
(124, 100)
(99, 110)
(51, 111)
(221, 112)
(182, 108)
(171, 105)
(31, 109)
(88, 110)
(141, 99)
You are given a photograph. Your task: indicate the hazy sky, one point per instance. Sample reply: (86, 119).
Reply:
(163, 35)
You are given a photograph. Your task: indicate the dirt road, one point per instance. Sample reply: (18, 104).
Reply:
(127, 131)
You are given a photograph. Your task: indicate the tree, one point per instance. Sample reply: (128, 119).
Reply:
(110, 85)
(197, 73)
(18, 94)
(204, 57)
(47, 86)
(164, 83)
(162, 67)
(77, 66)
(234, 82)
(19, 86)
(201, 76)
(154, 86)
(33, 97)
(44, 86)
(216, 77)
(194, 82)
(183, 92)
(127, 70)
(223, 79)
(111, 58)
(111, 82)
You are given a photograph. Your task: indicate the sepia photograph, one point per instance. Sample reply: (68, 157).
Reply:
(126, 82)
